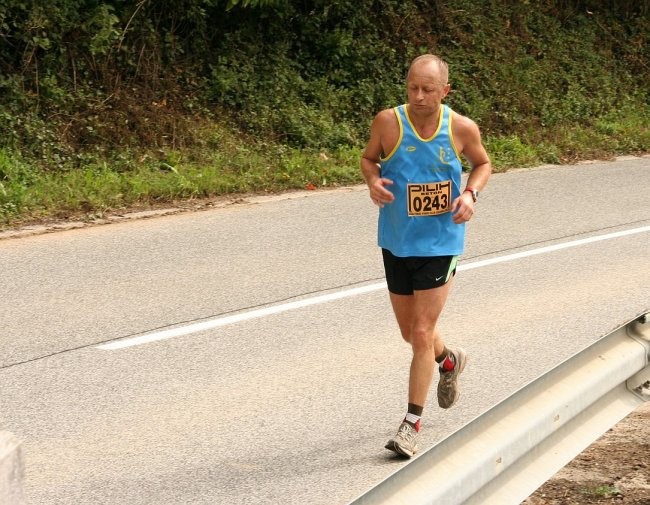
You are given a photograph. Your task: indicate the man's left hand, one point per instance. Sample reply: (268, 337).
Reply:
(462, 208)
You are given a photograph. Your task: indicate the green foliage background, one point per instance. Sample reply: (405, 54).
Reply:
(110, 104)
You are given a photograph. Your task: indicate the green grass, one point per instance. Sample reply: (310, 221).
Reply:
(604, 491)
(29, 193)
(224, 162)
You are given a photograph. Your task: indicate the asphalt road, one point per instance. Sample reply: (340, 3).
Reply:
(291, 405)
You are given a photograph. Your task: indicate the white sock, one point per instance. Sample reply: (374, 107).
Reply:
(412, 418)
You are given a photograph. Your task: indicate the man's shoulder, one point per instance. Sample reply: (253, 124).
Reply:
(386, 119)
(462, 124)
(386, 114)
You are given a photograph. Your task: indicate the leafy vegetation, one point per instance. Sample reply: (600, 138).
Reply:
(604, 491)
(104, 105)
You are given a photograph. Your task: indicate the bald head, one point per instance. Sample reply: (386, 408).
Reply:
(430, 63)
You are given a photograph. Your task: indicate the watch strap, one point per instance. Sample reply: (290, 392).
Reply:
(473, 191)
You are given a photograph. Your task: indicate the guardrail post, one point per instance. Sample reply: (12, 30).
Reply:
(11, 470)
(639, 384)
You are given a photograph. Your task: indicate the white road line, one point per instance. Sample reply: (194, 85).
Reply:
(551, 248)
(244, 316)
(276, 309)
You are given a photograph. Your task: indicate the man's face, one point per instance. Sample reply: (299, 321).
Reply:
(425, 88)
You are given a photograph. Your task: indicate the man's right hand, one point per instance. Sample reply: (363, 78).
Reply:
(378, 192)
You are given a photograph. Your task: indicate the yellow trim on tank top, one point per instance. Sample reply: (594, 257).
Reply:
(451, 135)
(399, 140)
(408, 118)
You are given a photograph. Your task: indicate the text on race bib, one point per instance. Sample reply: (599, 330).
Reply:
(429, 199)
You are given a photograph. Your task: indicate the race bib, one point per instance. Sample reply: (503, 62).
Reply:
(429, 199)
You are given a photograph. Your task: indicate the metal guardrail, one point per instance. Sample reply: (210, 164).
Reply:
(504, 455)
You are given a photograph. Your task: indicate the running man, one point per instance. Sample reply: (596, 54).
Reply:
(413, 170)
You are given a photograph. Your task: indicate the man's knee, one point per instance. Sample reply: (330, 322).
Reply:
(422, 339)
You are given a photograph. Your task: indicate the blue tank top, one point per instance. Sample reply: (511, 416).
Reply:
(427, 175)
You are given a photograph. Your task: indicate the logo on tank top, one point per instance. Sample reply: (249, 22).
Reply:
(445, 155)
(410, 149)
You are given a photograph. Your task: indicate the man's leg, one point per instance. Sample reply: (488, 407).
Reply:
(417, 316)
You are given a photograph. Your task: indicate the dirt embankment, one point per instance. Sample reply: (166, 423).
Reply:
(615, 469)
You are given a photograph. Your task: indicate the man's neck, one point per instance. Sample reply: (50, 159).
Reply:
(426, 124)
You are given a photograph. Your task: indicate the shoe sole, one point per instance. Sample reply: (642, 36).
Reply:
(392, 446)
(462, 361)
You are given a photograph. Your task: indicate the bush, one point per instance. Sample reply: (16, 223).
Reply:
(106, 94)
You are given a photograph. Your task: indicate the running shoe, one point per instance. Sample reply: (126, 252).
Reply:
(405, 443)
(448, 391)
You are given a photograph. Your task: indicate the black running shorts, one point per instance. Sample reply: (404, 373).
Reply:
(404, 275)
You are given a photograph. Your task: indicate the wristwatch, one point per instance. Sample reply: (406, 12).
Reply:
(474, 193)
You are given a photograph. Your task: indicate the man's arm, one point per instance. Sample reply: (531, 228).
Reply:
(475, 153)
(467, 138)
(370, 168)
